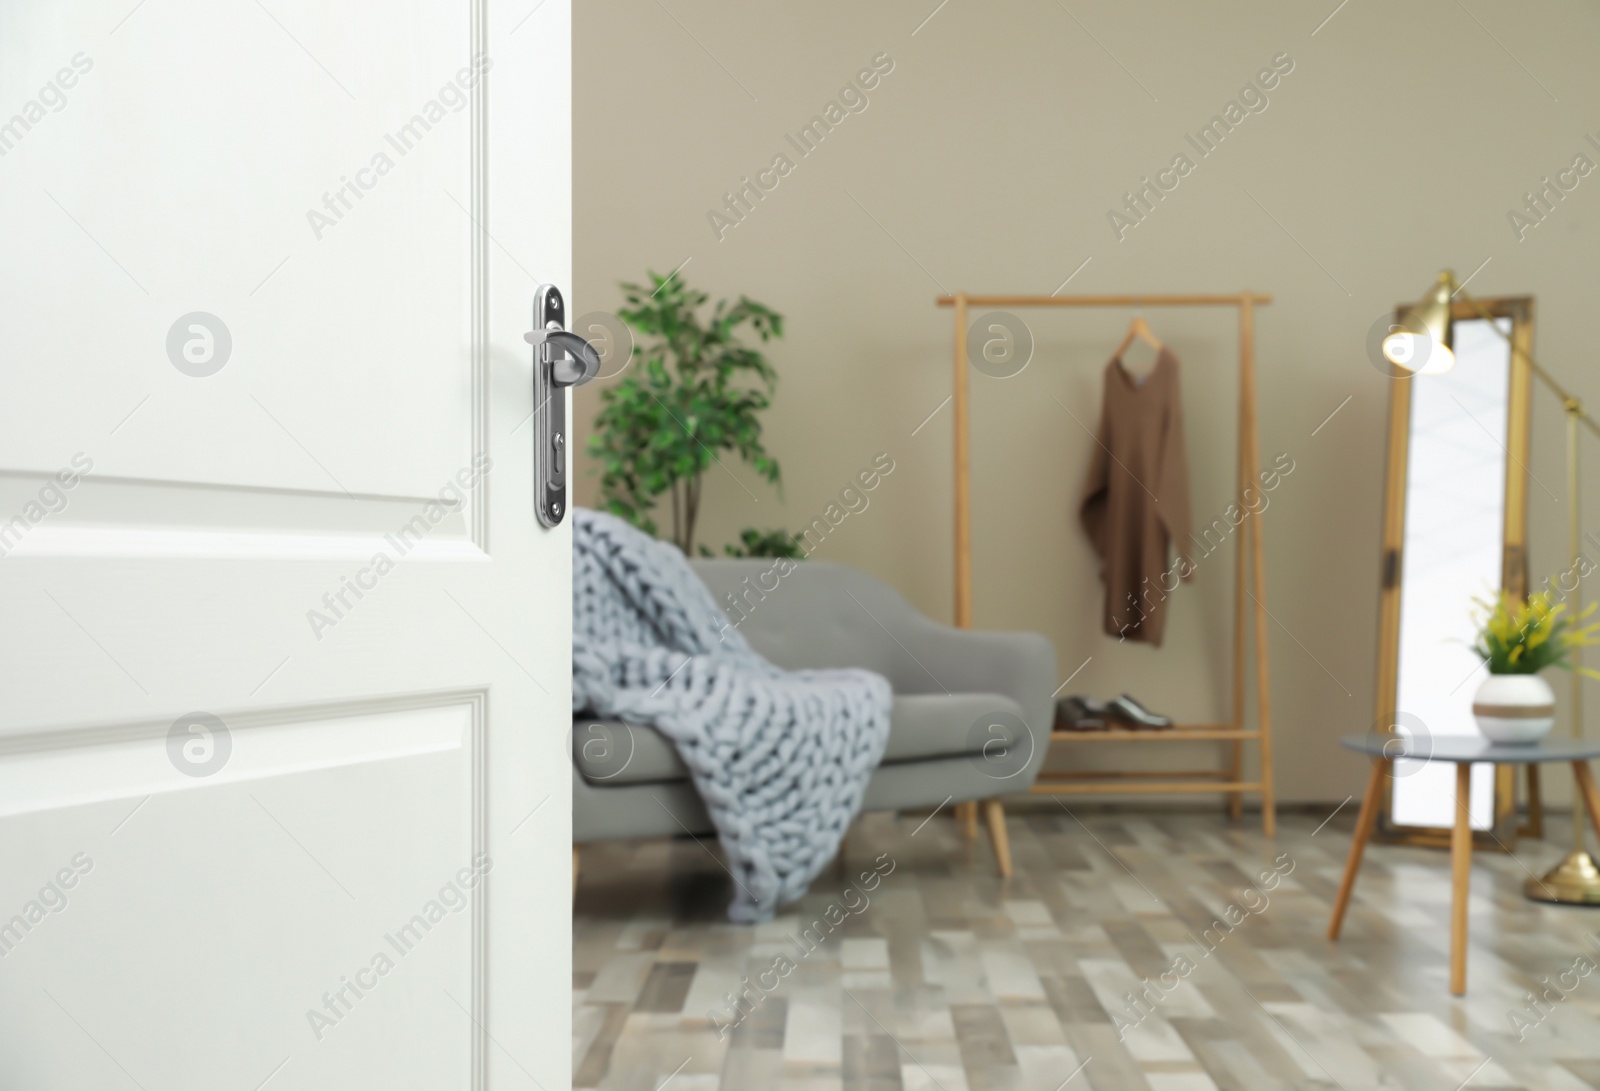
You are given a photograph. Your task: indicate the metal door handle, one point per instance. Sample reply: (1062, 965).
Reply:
(573, 361)
(561, 359)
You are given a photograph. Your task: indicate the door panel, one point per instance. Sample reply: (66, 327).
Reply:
(286, 660)
(163, 938)
(187, 164)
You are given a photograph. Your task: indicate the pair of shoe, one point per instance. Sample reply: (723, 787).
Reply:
(1078, 713)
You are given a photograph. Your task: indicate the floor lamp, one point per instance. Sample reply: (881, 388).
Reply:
(1420, 344)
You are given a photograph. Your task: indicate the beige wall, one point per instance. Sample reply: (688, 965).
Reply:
(987, 161)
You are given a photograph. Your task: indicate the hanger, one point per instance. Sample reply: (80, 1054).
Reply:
(1140, 329)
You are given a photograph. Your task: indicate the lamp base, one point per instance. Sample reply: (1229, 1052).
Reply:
(1574, 881)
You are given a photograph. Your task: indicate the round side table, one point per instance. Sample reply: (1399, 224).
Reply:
(1464, 751)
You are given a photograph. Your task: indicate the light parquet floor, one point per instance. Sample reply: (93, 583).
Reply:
(943, 977)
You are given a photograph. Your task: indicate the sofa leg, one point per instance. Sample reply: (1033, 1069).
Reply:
(574, 872)
(967, 815)
(994, 813)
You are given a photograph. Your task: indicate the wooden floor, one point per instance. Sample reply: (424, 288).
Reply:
(944, 977)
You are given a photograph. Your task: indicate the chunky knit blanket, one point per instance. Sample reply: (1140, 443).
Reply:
(781, 758)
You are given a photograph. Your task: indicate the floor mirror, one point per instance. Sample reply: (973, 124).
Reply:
(1454, 528)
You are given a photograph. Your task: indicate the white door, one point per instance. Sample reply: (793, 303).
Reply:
(284, 677)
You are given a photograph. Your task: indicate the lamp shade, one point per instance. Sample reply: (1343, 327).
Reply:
(1420, 343)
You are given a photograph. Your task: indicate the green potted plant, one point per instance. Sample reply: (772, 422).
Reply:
(696, 391)
(1516, 640)
(757, 543)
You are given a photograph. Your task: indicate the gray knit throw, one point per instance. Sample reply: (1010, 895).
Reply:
(781, 758)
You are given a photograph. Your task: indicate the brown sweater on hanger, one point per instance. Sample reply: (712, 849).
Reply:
(1136, 499)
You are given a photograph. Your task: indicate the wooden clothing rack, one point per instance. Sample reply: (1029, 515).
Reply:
(1249, 554)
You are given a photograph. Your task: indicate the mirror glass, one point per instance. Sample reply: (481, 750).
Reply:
(1451, 551)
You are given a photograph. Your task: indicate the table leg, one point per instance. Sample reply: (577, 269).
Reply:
(1358, 844)
(1535, 826)
(1590, 793)
(1460, 874)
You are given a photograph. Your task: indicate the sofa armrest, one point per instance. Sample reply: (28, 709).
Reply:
(1021, 666)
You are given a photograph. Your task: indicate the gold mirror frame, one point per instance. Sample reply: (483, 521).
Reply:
(1513, 556)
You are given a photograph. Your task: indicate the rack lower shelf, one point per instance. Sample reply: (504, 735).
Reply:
(1155, 781)
(1070, 786)
(1176, 733)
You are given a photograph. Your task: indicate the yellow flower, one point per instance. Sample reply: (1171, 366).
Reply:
(1500, 624)
(1531, 633)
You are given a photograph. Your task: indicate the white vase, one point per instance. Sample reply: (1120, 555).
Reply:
(1514, 708)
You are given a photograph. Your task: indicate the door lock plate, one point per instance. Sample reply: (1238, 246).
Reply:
(561, 359)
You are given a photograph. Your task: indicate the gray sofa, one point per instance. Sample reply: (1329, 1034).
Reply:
(971, 717)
